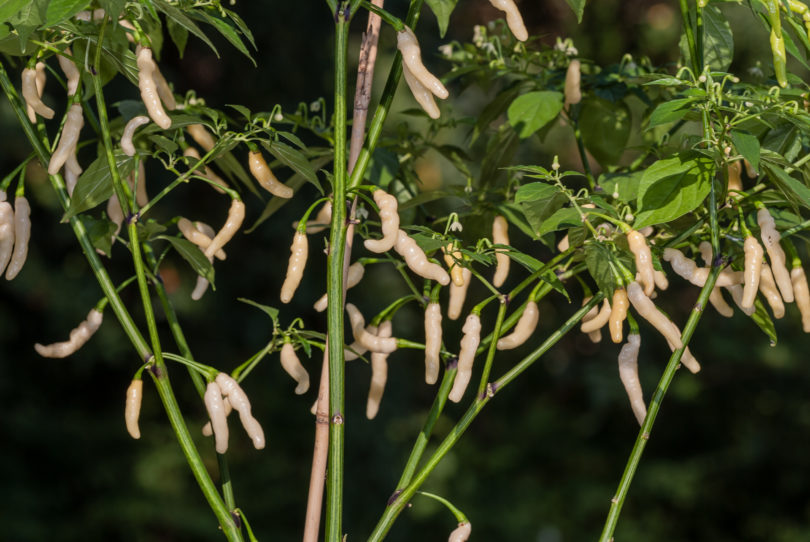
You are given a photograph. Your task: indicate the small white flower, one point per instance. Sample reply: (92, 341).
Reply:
(315, 106)
(446, 50)
(278, 117)
(755, 71)
(555, 165)
(456, 226)
(479, 35)
(361, 212)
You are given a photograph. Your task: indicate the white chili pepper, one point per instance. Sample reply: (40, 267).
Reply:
(219, 419)
(412, 60)
(638, 246)
(389, 219)
(417, 260)
(595, 336)
(208, 173)
(22, 234)
(716, 295)
(451, 259)
(770, 239)
(461, 533)
(457, 295)
(31, 96)
(422, 94)
(129, 131)
(6, 231)
(40, 84)
(598, 320)
(265, 176)
(295, 269)
(207, 430)
(749, 169)
(291, 364)
(132, 407)
(201, 136)
(752, 270)
(68, 139)
(500, 236)
(618, 313)
(164, 90)
(466, 356)
(573, 94)
(355, 350)
(690, 271)
(628, 373)
(379, 374)
(647, 310)
(197, 234)
(736, 291)
(368, 340)
(734, 171)
(523, 329)
(433, 341)
(564, 244)
(148, 87)
(353, 276)
(115, 214)
(661, 281)
(802, 294)
(72, 172)
(71, 72)
(236, 214)
(513, 18)
(240, 403)
(767, 286)
(78, 336)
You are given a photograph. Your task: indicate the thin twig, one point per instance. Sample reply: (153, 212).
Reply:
(365, 77)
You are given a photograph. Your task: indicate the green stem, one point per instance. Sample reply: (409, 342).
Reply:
(427, 429)
(655, 404)
(335, 340)
(397, 504)
(583, 155)
(690, 36)
(496, 333)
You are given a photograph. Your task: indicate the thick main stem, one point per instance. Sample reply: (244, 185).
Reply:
(337, 246)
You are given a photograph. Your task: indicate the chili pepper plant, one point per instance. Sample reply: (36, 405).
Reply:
(675, 162)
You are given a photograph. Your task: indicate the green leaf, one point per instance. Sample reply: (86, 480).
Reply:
(605, 128)
(670, 111)
(600, 265)
(178, 34)
(796, 191)
(193, 255)
(9, 8)
(539, 201)
(442, 10)
(515, 215)
(530, 112)
(100, 232)
(295, 160)
(718, 41)
(59, 10)
(149, 230)
(272, 312)
(225, 28)
(578, 6)
(763, 320)
(95, 186)
(567, 217)
(747, 145)
(113, 7)
(175, 14)
(384, 167)
(621, 186)
(672, 187)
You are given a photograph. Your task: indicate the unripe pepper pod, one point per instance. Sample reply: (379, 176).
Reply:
(132, 409)
(265, 176)
(618, 312)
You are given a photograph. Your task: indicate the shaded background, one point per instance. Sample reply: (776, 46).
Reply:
(727, 460)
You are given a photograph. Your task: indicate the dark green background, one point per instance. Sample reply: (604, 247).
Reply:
(727, 461)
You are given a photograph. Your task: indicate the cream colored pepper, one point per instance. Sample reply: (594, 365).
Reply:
(752, 270)
(240, 403)
(618, 313)
(767, 286)
(379, 374)
(68, 140)
(132, 407)
(628, 373)
(78, 337)
(644, 265)
(149, 89)
(295, 269)
(573, 94)
(71, 72)
(450, 259)
(408, 45)
(458, 294)
(215, 406)
(265, 176)
(129, 131)
(801, 292)
(466, 356)
(598, 320)
(370, 341)
(417, 261)
(523, 329)
(292, 365)
(22, 234)
(389, 219)
(461, 533)
(770, 239)
(513, 18)
(353, 277)
(500, 236)
(6, 231)
(32, 96)
(433, 341)
(236, 214)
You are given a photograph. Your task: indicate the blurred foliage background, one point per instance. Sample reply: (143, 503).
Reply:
(727, 460)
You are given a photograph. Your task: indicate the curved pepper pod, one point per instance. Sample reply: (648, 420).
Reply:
(366, 339)
(408, 45)
(32, 96)
(458, 294)
(523, 329)
(265, 176)
(417, 261)
(201, 136)
(78, 337)
(6, 231)
(132, 407)
(644, 265)
(628, 374)
(752, 271)
(149, 89)
(295, 269)
(461, 533)
(422, 94)
(500, 236)
(292, 365)
(770, 239)
(513, 18)
(379, 374)
(22, 234)
(598, 319)
(68, 139)
(767, 286)
(236, 214)
(451, 259)
(215, 406)
(389, 219)
(240, 403)
(129, 131)
(354, 276)
(802, 294)
(466, 356)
